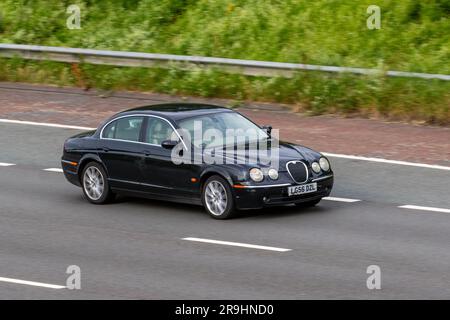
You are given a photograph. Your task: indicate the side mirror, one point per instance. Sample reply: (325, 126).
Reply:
(268, 129)
(169, 144)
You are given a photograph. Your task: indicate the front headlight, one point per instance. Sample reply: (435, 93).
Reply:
(324, 164)
(273, 174)
(315, 167)
(256, 174)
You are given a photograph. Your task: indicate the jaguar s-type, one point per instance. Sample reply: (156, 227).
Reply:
(155, 152)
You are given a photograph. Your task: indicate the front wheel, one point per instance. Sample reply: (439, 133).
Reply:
(95, 184)
(217, 198)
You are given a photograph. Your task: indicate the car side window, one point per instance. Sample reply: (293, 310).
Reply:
(158, 130)
(128, 128)
(109, 130)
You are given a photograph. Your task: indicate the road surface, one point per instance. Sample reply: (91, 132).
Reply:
(134, 248)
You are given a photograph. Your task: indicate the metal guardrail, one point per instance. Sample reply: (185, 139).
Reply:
(139, 59)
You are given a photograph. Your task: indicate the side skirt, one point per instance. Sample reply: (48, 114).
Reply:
(155, 196)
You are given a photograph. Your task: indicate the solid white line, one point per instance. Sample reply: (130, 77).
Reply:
(53, 170)
(341, 199)
(4, 164)
(32, 283)
(237, 244)
(404, 163)
(425, 208)
(43, 124)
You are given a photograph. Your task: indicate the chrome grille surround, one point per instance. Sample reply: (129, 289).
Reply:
(306, 170)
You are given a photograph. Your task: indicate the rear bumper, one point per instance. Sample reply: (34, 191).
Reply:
(256, 198)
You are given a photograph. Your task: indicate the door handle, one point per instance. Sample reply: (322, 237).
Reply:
(146, 152)
(105, 149)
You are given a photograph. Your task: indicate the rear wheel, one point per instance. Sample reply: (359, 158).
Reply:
(217, 198)
(95, 184)
(308, 203)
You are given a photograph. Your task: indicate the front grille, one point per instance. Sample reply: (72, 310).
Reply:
(298, 171)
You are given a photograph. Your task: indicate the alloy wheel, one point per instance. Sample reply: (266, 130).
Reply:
(216, 197)
(94, 183)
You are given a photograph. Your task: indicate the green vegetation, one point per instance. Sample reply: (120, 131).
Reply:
(414, 36)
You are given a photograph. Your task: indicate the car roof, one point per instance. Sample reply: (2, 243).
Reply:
(177, 111)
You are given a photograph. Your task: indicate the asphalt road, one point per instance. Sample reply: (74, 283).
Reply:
(133, 249)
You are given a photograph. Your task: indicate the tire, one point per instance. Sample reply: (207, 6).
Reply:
(308, 204)
(94, 183)
(217, 198)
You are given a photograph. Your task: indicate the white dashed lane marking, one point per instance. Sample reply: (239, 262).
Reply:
(4, 164)
(32, 283)
(340, 199)
(433, 209)
(53, 170)
(337, 199)
(237, 244)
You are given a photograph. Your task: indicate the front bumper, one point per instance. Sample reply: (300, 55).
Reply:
(256, 198)
(71, 172)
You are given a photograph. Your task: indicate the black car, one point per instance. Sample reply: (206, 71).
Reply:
(149, 152)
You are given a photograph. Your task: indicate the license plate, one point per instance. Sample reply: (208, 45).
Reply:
(305, 188)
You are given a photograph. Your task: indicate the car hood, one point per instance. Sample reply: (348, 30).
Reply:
(286, 152)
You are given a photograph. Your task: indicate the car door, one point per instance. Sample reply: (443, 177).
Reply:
(159, 173)
(121, 151)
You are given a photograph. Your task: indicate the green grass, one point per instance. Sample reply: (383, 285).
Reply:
(414, 36)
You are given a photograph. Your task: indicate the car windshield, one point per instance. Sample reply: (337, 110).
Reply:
(220, 129)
